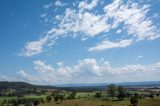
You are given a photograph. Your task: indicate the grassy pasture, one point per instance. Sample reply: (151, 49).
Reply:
(98, 102)
(85, 99)
(84, 94)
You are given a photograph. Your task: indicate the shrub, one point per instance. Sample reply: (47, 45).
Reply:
(4, 101)
(72, 95)
(134, 100)
(48, 98)
(151, 96)
(98, 95)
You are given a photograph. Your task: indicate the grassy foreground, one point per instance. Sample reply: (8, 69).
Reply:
(97, 102)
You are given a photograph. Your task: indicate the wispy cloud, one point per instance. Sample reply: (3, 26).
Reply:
(134, 17)
(138, 57)
(109, 44)
(48, 5)
(88, 24)
(34, 47)
(84, 5)
(59, 3)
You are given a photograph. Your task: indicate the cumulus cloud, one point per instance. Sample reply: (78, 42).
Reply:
(8, 78)
(42, 67)
(109, 44)
(25, 76)
(60, 63)
(90, 69)
(87, 67)
(118, 31)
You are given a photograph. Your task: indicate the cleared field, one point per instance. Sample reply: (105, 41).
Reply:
(96, 102)
(35, 96)
(84, 94)
(85, 100)
(29, 96)
(6, 98)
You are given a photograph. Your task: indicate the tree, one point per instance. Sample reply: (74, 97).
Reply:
(151, 96)
(36, 102)
(157, 94)
(61, 97)
(4, 101)
(98, 95)
(48, 98)
(134, 100)
(111, 90)
(54, 94)
(72, 95)
(121, 92)
(56, 98)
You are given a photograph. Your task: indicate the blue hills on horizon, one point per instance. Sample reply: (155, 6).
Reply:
(142, 83)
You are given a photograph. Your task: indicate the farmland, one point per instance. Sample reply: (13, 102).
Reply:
(113, 95)
(87, 101)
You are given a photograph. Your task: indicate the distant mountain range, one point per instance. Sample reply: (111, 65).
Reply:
(144, 83)
(19, 85)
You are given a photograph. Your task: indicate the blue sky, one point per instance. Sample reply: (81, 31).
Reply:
(90, 41)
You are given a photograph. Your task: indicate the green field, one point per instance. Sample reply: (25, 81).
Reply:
(84, 94)
(97, 102)
(84, 99)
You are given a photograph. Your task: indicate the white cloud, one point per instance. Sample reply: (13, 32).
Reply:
(41, 66)
(37, 47)
(43, 15)
(138, 57)
(134, 18)
(24, 76)
(109, 44)
(60, 63)
(86, 24)
(59, 3)
(8, 78)
(118, 31)
(87, 67)
(84, 5)
(76, 21)
(34, 47)
(90, 69)
(93, 25)
(48, 5)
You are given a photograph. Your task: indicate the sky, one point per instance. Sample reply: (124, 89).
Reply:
(53, 42)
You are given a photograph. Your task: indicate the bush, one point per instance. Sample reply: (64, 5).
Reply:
(121, 93)
(134, 100)
(98, 95)
(151, 96)
(4, 101)
(61, 97)
(36, 102)
(48, 98)
(72, 95)
(157, 94)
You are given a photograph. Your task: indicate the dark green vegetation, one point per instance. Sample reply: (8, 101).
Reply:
(24, 94)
